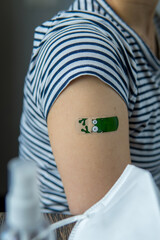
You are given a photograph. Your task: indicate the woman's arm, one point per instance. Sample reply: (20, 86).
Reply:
(89, 164)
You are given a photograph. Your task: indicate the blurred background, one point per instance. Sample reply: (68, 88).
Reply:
(18, 21)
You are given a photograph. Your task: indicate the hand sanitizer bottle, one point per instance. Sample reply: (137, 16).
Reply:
(24, 220)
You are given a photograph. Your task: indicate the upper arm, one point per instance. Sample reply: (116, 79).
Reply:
(89, 164)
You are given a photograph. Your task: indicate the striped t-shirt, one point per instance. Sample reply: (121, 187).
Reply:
(89, 39)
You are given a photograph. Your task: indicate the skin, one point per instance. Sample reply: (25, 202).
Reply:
(90, 164)
(138, 14)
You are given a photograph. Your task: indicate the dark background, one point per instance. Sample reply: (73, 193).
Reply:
(18, 21)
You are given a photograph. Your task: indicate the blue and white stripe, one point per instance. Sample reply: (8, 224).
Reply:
(89, 39)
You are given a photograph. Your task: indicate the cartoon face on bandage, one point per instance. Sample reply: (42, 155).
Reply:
(98, 125)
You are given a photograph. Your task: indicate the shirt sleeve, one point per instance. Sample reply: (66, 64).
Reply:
(76, 50)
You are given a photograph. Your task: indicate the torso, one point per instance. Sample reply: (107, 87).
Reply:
(143, 99)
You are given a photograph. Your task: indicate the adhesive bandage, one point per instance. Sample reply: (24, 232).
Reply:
(97, 125)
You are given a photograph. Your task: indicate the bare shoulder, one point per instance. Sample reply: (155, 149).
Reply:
(89, 163)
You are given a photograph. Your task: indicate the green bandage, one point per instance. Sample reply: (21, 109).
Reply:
(105, 124)
(98, 125)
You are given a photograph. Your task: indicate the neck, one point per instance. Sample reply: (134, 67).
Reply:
(138, 14)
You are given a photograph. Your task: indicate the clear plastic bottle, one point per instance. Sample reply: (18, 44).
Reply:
(24, 220)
